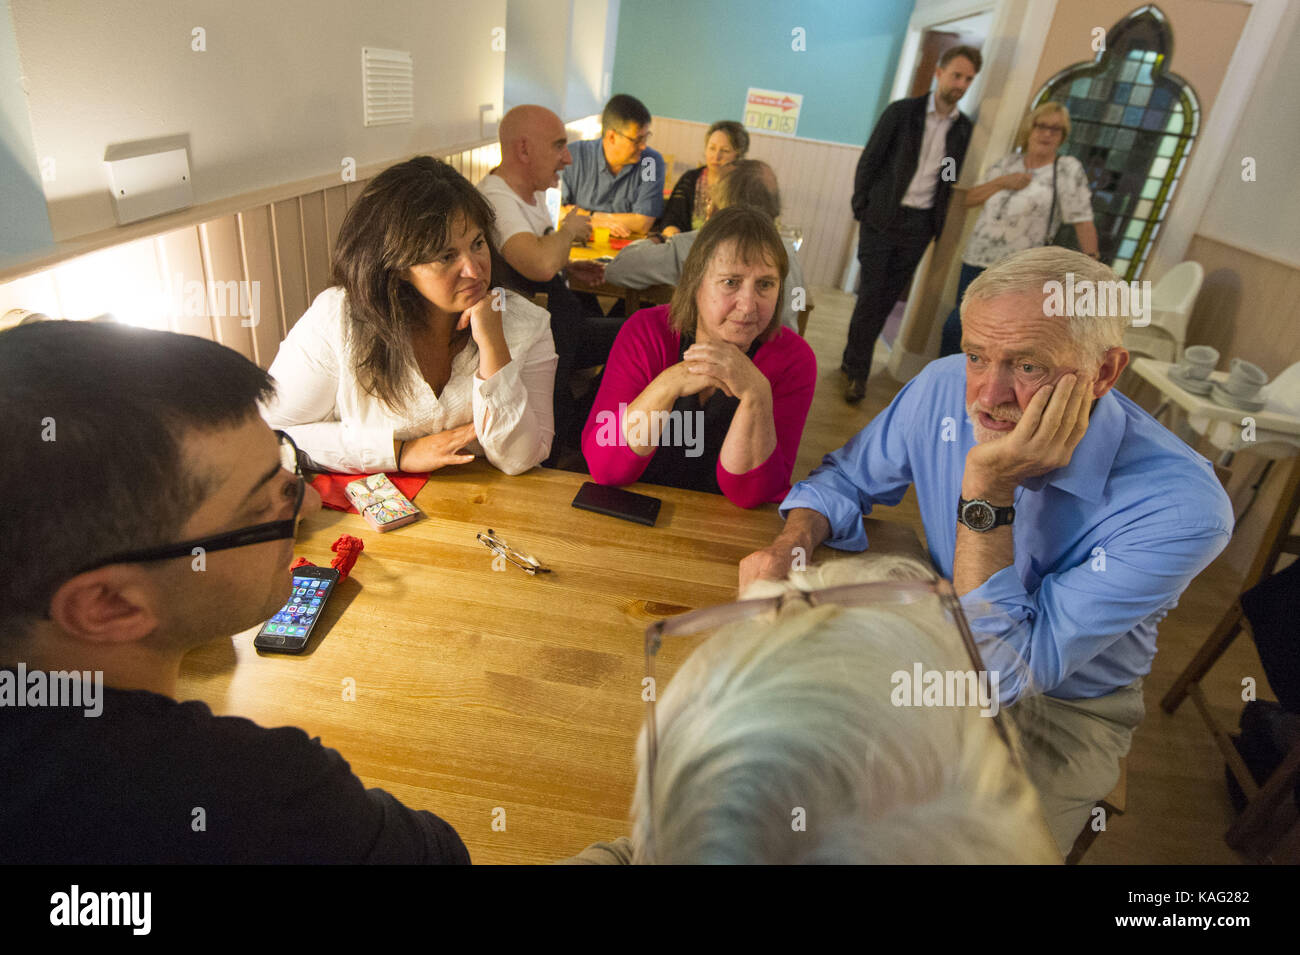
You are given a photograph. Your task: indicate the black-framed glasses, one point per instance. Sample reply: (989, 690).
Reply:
(1050, 128)
(291, 460)
(641, 140)
(876, 593)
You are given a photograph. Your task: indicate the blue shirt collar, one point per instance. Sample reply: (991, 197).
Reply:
(1090, 465)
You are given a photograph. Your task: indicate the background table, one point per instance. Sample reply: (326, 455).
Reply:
(1272, 424)
(478, 690)
(634, 298)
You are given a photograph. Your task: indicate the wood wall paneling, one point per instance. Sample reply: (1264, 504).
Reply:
(38, 292)
(223, 262)
(353, 190)
(1247, 306)
(257, 244)
(336, 208)
(316, 241)
(180, 263)
(290, 259)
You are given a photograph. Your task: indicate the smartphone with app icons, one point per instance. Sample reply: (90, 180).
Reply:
(289, 630)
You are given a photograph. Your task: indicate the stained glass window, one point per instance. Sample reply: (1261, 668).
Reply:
(1133, 122)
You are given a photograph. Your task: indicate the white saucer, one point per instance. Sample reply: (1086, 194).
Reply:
(1219, 396)
(1197, 386)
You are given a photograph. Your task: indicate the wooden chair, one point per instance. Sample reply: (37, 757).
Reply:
(1262, 801)
(640, 298)
(1116, 801)
(1112, 804)
(801, 318)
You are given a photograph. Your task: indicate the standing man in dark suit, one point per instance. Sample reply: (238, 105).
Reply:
(900, 195)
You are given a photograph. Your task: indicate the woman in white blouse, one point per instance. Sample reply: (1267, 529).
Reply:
(413, 361)
(1018, 211)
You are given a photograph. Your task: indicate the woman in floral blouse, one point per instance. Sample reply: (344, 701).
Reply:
(1018, 213)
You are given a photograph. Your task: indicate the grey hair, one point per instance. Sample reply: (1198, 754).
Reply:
(769, 717)
(1033, 270)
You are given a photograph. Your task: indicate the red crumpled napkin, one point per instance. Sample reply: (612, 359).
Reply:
(347, 547)
(330, 487)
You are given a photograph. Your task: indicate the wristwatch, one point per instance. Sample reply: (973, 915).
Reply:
(981, 516)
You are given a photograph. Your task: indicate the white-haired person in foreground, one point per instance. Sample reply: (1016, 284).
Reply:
(785, 740)
(1068, 519)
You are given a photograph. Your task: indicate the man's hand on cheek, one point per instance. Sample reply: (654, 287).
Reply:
(1043, 440)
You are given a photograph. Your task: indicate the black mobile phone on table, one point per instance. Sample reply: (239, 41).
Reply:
(290, 629)
(616, 502)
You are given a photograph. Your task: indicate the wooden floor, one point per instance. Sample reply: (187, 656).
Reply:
(1178, 808)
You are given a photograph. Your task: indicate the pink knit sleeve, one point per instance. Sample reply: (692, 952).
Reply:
(789, 365)
(645, 346)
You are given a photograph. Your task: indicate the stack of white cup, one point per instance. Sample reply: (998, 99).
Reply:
(1241, 389)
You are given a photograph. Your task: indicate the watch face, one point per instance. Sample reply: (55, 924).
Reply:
(978, 516)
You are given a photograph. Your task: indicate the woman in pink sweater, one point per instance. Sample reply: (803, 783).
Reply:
(710, 392)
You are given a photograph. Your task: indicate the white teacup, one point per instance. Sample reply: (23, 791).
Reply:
(1244, 379)
(1198, 361)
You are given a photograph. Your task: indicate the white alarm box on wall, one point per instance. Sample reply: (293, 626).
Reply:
(148, 184)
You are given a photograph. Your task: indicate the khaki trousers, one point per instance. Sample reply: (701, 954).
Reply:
(1072, 750)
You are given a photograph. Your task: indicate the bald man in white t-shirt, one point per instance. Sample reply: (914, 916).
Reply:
(534, 149)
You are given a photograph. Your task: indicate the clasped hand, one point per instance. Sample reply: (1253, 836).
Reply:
(722, 365)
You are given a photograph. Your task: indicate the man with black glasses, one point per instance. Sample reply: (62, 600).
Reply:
(168, 520)
(618, 180)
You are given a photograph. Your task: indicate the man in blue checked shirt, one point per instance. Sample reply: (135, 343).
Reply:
(1069, 520)
(617, 180)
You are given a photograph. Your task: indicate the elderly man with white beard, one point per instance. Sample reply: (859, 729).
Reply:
(1068, 519)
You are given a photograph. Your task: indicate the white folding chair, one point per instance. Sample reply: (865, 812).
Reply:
(1171, 308)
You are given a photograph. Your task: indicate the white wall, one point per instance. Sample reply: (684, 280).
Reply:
(1264, 216)
(593, 35)
(559, 53)
(275, 98)
(537, 45)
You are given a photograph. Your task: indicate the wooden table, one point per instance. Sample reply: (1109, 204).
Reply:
(634, 298)
(479, 690)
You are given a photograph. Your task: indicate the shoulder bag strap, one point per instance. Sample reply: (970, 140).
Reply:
(1051, 211)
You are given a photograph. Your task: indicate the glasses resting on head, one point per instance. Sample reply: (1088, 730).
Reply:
(876, 593)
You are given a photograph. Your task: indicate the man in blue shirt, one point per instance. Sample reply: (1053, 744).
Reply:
(1068, 519)
(617, 179)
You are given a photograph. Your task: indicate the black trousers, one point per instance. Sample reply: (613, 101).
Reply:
(582, 341)
(887, 259)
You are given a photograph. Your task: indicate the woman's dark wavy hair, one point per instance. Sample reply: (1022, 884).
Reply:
(403, 218)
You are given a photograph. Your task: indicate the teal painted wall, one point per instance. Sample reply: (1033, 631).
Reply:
(695, 59)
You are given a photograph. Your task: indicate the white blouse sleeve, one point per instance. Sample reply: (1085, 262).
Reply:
(514, 413)
(307, 371)
(1072, 191)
